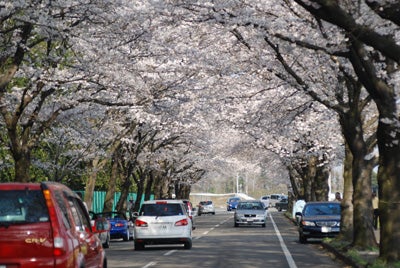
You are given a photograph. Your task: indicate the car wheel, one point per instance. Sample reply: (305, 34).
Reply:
(236, 225)
(107, 243)
(188, 244)
(126, 237)
(263, 225)
(302, 238)
(139, 245)
(213, 213)
(199, 214)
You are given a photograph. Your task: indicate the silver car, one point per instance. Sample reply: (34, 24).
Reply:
(251, 212)
(206, 207)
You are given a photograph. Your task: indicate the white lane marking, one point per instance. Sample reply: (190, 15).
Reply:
(288, 256)
(153, 263)
(170, 252)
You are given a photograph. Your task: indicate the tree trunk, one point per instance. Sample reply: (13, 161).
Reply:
(109, 200)
(389, 187)
(22, 164)
(351, 123)
(346, 223)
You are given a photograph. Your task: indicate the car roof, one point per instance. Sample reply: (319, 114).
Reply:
(164, 201)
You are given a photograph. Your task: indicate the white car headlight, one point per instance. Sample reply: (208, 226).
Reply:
(308, 223)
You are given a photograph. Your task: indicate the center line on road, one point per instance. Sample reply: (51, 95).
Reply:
(170, 252)
(288, 256)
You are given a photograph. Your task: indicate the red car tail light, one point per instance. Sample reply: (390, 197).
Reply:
(139, 223)
(58, 242)
(119, 224)
(183, 222)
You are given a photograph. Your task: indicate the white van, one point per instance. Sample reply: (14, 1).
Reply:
(274, 198)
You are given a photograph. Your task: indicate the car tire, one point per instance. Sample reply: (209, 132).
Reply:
(213, 213)
(188, 244)
(263, 225)
(127, 236)
(139, 245)
(199, 214)
(302, 238)
(236, 225)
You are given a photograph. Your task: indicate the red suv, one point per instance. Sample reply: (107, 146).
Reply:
(46, 225)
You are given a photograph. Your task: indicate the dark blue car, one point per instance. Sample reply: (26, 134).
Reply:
(232, 203)
(319, 220)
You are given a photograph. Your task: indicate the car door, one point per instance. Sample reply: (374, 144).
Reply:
(90, 243)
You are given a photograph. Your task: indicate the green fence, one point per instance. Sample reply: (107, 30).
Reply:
(99, 197)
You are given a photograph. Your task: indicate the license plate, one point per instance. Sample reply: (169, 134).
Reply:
(325, 229)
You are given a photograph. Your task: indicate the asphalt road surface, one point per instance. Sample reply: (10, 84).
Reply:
(217, 243)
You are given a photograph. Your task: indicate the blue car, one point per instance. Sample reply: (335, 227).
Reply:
(232, 203)
(120, 226)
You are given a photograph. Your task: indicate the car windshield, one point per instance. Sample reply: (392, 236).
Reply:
(322, 209)
(112, 215)
(159, 210)
(204, 203)
(234, 200)
(250, 206)
(22, 206)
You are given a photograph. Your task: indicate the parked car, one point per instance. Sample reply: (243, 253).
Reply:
(120, 226)
(250, 213)
(206, 207)
(46, 225)
(102, 227)
(282, 204)
(190, 211)
(163, 222)
(275, 198)
(265, 200)
(232, 203)
(319, 220)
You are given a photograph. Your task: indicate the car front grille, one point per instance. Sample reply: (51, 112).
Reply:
(250, 215)
(326, 223)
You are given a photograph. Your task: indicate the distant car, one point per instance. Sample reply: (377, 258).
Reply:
(282, 204)
(163, 222)
(274, 198)
(120, 226)
(232, 203)
(206, 207)
(265, 200)
(319, 220)
(46, 225)
(250, 213)
(101, 226)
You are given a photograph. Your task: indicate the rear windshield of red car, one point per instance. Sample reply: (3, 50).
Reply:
(22, 206)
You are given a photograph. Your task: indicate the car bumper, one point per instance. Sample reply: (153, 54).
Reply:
(250, 221)
(160, 241)
(118, 233)
(319, 232)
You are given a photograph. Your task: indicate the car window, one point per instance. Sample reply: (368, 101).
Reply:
(322, 209)
(21, 206)
(59, 198)
(161, 210)
(251, 206)
(78, 214)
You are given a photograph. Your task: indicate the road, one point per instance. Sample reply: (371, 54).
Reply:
(217, 243)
